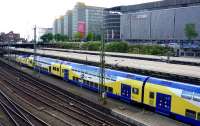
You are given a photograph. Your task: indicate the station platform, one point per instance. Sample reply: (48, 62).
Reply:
(161, 67)
(132, 113)
(177, 60)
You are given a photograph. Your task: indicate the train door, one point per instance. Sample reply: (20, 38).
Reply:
(49, 69)
(126, 91)
(163, 103)
(66, 74)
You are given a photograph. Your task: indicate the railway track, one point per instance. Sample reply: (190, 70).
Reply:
(17, 115)
(52, 99)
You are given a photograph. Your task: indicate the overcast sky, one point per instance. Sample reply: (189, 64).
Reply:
(21, 15)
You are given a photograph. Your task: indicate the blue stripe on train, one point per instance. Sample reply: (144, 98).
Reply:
(111, 95)
(187, 120)
(41, 70)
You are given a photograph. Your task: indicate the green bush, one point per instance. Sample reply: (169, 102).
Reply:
(148, 49)
(92, 46)
(117, 47)
(121, 47)
(68, 45)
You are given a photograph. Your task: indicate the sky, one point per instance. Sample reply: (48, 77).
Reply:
(21, 15)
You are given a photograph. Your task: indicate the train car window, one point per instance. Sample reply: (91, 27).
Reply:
(135, 90)
(103, 88)
(96, 85)
(110, 89)
(57, 69)
(91, 84)
(186, 94)
(63, 70)
(198, 116)
(190, 114)
(151, 95)
(106, 88)
(49, 68)
(196, 97)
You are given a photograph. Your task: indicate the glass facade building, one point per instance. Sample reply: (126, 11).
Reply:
(88, 16)
(55, 27)
(68, 24)
(94, 20)
(92, 16)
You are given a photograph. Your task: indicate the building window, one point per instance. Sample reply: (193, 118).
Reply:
(135, 90)
(151, 95)
(190, 114)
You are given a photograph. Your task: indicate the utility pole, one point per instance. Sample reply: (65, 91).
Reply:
(102, 69)
(35, 49)
(9, 51)
(35, 43)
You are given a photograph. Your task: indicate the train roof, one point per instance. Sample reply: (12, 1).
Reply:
(174, 84)
(93, 69)
(108, 72)
(47, 60)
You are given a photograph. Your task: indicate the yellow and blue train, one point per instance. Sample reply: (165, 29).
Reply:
(170, 98)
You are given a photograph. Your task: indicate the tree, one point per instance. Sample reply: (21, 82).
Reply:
(50, 36)
(77, 36)
(117, 47)
(47, 37)
(44, 38)
(90, 36)
(98, 37)
(64, 38)
(190, 31)
(58, 37)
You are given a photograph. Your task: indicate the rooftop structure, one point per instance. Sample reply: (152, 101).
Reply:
(144, 22)
(10, 37)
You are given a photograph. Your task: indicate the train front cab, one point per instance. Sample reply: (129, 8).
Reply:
(167, 98)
